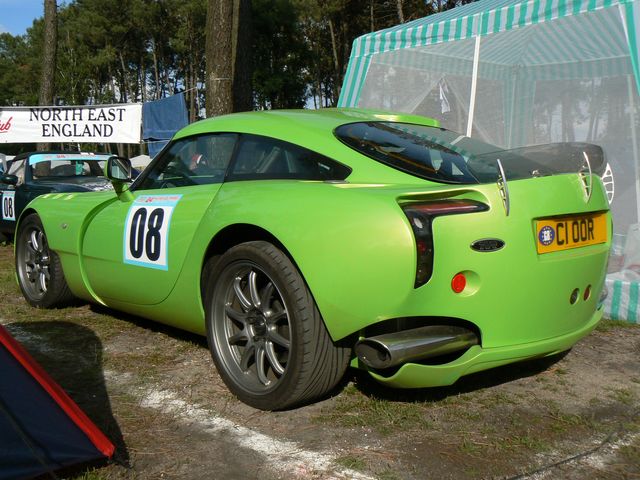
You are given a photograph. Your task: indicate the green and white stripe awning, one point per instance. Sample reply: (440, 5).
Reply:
(560, 46)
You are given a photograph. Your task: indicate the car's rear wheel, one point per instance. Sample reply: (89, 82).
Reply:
(265, 333)
(39, 269)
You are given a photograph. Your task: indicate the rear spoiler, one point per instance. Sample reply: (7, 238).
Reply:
(565, 157)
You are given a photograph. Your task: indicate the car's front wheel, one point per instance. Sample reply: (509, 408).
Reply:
(39, 269)
(265, 333)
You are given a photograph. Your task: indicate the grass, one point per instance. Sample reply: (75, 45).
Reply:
(388, 474)
(632, 453)
(353, 409)
(607, 325)
(352, 462)
(485, 424)
(623, 395)
(90, 475)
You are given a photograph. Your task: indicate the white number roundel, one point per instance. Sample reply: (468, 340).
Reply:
(146, 230)
(8, 206)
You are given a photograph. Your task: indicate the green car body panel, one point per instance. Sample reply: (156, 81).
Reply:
(354, 247)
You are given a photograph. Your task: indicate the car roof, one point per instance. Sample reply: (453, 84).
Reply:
(21, 156)
(313, 129)
(287, 123)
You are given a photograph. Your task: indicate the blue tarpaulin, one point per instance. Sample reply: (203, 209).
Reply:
(161, 119)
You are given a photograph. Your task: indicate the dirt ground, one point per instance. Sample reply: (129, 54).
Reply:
(155, 392)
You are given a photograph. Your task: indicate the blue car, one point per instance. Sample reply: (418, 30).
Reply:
(31, 174)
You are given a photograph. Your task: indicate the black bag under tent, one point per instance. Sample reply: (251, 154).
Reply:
(41, 429)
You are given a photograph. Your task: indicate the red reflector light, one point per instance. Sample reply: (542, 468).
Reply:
(458, 282)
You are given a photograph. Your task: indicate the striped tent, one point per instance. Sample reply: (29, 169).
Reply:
(519, 73)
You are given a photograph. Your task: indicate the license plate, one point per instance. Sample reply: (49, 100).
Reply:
(572, 231)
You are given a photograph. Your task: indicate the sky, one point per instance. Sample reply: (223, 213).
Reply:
(18, 15)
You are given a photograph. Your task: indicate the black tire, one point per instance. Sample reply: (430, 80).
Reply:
(39, 270)
(265, 333)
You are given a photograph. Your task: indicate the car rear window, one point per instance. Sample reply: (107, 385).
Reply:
(444, 156)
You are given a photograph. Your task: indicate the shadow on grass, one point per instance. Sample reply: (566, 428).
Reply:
(363, 381)
(72, 355)
(470, 383)
(151, 325)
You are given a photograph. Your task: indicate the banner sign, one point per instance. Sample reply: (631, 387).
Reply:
(119, 123)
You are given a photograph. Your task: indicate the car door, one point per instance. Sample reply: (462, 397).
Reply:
(133, 249)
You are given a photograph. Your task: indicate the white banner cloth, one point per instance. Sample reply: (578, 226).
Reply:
(119, 123)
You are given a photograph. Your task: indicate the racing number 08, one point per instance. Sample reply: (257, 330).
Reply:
(146, 231)
(144, 234)
(8, 207)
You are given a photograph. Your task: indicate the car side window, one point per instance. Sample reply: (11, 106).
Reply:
(198, 160)
(265, 158)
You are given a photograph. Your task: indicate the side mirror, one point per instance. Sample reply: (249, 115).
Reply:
(118, 169)
(9, 179)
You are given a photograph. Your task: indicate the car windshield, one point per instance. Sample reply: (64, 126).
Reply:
(56, 165)
(444, 156)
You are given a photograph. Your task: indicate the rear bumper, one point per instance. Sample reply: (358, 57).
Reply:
(476, 359)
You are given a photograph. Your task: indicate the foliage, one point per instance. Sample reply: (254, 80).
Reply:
(112, 51)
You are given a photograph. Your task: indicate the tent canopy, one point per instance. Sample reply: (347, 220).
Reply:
(516, 74)
(41, 429)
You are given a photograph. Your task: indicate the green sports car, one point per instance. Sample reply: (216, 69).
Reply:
(302, 242)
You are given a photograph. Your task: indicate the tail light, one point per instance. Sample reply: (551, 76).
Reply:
(421, 216)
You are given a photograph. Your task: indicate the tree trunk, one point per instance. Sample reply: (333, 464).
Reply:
(47, 79)
(227, 50)
(334, 47)
(219, 52)
(125, 81)
(193, 90)
(373, 25)
(156, 71)
(242, 60)
(400, 12)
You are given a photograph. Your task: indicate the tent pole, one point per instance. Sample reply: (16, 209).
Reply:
(634, 141)
(474, 85)
(512, 108)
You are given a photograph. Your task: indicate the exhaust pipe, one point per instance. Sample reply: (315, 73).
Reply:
(392, 349)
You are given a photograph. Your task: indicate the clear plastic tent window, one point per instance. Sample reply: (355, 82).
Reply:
(517, 74)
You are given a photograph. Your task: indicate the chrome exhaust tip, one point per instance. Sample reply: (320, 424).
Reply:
(392, 349)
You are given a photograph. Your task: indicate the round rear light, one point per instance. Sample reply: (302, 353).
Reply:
(458, 282)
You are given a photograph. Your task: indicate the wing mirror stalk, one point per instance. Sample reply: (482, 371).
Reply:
(118, 171)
